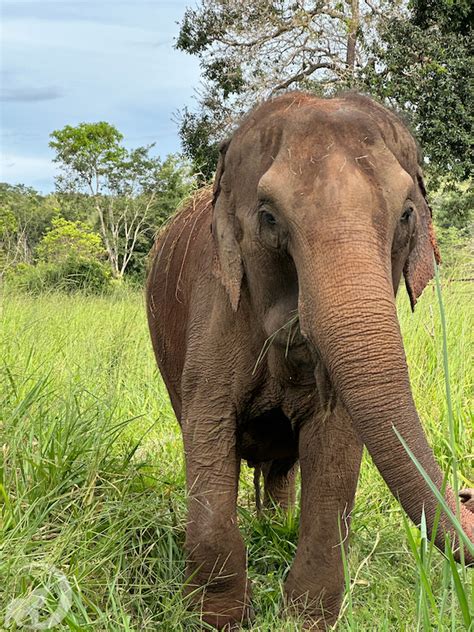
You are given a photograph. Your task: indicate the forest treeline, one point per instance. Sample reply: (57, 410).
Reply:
(99, 224)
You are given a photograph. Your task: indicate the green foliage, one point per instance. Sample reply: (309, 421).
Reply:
(8, 222)
(86, 151)
(197, 132)
(422, 63)
(456, 249)
(8, 236)
(448, 15)
(70, 258)
(70, 240)
(174, 183)
(70, 275)
(24, 217)
(455, 208)
(76, 206)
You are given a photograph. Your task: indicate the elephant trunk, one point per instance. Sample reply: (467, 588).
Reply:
(347, 311)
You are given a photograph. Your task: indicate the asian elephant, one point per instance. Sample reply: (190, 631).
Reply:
(271, 307)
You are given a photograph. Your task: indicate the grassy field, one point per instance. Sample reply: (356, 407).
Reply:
(92, 479)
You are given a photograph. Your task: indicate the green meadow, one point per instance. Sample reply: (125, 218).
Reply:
(92, 477)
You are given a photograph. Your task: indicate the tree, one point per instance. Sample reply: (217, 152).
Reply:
(414, 55)
(174, 183)
(199, 134)
(422, 63)
(252, 49)
(70, 240)
(24, 217)
(123, 184)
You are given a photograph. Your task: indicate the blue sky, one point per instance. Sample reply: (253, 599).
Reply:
(68, 61)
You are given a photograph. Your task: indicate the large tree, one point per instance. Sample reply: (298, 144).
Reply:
(126, 186)
(416, 55)
(422, 63)
(252, 49)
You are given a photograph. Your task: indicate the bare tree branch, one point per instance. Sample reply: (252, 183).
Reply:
(302, 75)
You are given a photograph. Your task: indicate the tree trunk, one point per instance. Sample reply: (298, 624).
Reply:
(111, 253)
(352, 37)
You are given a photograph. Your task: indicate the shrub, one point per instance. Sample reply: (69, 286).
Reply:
(454, 208)
(70, 240)
(70, 275)
(455, 248)
(70, 258)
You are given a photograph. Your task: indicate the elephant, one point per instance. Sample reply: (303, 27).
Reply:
(271, 308)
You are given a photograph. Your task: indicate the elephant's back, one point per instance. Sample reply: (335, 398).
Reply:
(181, 256)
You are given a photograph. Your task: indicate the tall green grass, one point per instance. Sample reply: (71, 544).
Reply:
(92, 479)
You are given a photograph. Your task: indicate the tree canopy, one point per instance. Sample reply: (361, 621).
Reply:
(416, 56)
(127, 186)
(422, 63)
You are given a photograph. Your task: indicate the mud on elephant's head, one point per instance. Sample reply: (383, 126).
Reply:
(321, 204)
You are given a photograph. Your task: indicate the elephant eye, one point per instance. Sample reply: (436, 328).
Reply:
(268, 218)
(407, 213)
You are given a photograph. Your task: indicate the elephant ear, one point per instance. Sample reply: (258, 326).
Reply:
(419, 267)
(228, 262)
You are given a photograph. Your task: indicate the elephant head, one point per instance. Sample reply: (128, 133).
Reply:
(321, 204)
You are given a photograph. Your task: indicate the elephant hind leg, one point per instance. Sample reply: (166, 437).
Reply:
(279, 478)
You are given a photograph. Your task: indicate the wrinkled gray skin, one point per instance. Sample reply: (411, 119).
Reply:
(318, 209)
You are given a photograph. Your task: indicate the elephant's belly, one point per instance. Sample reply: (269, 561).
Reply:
(292, 366)
(266, 437)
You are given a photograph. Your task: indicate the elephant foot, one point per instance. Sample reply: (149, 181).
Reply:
(225, 614)
(318, 609)
(314, 620)
(222, 605)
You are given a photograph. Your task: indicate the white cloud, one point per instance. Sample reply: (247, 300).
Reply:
(110, 61)
(28, 94)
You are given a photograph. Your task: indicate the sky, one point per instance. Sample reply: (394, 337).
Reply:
(64, 62)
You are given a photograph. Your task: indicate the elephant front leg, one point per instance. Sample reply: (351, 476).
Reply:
(330, 455)
(216, 557)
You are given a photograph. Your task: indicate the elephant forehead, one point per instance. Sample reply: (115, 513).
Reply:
(313, 152)
(338, 179)
(316, 121)
(272, 128)
(304, 138)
